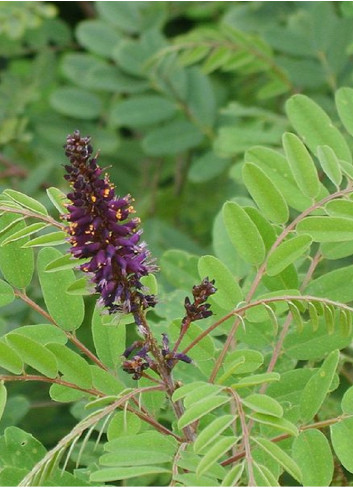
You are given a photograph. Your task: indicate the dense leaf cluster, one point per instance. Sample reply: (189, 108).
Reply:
(230, 122)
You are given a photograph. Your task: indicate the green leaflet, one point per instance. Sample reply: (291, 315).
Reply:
(61, 393)
(201, 392)
(123, 423)
(105, 382)
(172, 138)
(344, 104)
(43, 333)
(243, 233)
(315, 344)
(109, 341)
(200, 409)
(277, 168)
(340, 208)
(312, 452)
(229, 293)
(27, 202)
(318, 386)
(347, 401)
(266, 195)
(281, 457)
(9, 359)
(104, 34)
(3, 397)
(330, 164)
(281, 424)
(34, 354)
(302, 165)
(135, 457)
(6, 293)
(49, 239)
(67, 310)
(333, 285)
(219, 448)
(142, 110)
(315, 127)
(264, 404)
(242, 361)
(286, 253)
(120, 473)
(212, 432)
(263, 476)
(76, 102)
(341, 437)
(233, 476)
(75, 368)
(65, 262)
(180, 268)
(58, 199)
(16, 264)
(326, 229)
(256, 380)
(183, 391)
(26, 231)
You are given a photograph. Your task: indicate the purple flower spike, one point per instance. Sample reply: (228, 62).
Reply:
(102, 230)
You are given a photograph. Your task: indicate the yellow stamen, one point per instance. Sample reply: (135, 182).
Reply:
(93, 198)
(118, 214)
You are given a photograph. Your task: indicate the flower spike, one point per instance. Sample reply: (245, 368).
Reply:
(102, 230)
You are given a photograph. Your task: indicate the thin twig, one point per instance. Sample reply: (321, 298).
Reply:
(42, 378)
(27, 213)
(245, 436)
(224, 351)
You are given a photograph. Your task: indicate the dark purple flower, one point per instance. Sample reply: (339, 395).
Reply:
(170, 356)
(102, 230)
(199, 309)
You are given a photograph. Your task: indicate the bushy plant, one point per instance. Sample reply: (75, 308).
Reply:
(214, 348)
(239, 399)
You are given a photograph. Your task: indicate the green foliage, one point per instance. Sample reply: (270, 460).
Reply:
(231, 124)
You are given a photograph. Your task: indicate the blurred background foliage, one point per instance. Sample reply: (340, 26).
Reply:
(172, 94)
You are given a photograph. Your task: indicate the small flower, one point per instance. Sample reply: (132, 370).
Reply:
(102, 230)
(199, 309)
(170, 357)
(139, 362)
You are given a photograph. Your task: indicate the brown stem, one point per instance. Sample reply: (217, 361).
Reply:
(246, 437)
(225, 348)
(165, 374)
(28, 213)
(42, 378)
(184, 328)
